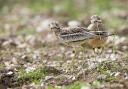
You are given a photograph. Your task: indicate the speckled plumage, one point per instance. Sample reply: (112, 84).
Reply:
(97, 27)
(95, 35)
(71, 35)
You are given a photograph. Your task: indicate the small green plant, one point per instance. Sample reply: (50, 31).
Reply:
(35, 76)
(50, 87)
(104, 69)
(110, 78)
(95, 83)
(2, 66)
(77, 85)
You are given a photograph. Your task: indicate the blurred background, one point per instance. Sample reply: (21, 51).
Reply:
(36, 14)
(27, 44)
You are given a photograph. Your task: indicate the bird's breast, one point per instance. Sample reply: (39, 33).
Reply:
(97, 42)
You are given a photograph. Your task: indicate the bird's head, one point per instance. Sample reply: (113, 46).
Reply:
(95, 19)
(54, 25)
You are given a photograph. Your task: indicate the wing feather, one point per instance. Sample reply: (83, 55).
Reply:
(76, 37)
(101, 33)
(72, 30)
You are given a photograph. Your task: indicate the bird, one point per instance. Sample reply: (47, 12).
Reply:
(96, 24)
(97, 27)
(94, 35)
(71, 36)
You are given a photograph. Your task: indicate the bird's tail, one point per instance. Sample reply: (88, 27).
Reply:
(102, 33)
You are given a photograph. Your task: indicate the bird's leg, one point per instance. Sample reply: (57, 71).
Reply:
(81, 49)
(97, 52)
(113, 47)
(74, 52)
(94, 53)
(100, 51)
(103, 51)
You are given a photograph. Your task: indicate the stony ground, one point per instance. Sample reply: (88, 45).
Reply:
(32, 58)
